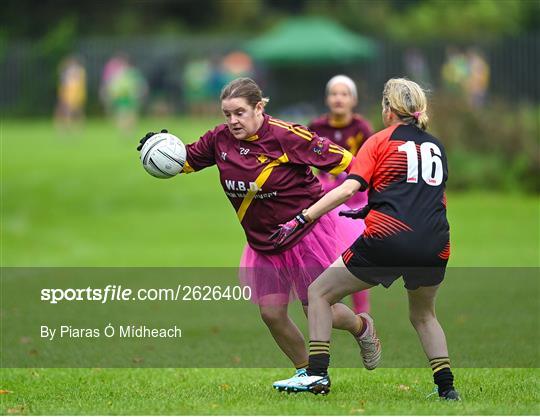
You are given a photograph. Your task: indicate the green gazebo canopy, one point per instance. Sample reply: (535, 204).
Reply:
(310, 40)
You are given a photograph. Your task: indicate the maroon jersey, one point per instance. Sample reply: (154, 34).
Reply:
(267, 177)
(350, 136)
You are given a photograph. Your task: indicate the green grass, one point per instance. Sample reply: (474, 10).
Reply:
(247, 392)
(86, 201)
(83, 200)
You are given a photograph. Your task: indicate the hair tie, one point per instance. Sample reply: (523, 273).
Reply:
(417, 114)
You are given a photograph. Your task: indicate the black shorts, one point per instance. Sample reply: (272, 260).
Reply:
(382, 261)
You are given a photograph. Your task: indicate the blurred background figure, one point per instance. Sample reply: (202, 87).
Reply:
(163, 88)
(235, 65)
(71, 93)
(350, 130)
(478, 78)
(343, 126)
(112, 67)
(455, 71)
(416, 66)
(197, 86)
(125, 92)
(466, 74)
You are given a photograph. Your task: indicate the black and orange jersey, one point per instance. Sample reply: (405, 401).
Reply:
(405, 170)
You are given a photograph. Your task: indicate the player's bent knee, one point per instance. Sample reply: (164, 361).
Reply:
(315, 292)
(273, 317)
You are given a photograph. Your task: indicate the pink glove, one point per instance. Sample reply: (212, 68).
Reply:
(286, 230)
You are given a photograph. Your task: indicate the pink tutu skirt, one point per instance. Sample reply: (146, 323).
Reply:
(329, 182)
(278, 279)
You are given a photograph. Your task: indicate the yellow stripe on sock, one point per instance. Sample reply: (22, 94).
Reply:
(318, 352)
(438, 361)
(446, 365)
(445, 358)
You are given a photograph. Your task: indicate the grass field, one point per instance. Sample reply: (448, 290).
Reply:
(72, 200)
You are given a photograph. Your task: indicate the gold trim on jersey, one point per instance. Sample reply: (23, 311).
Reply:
(262, 158)
(332, 122)
(336, 149)
(345, 162)
(260, 180)
(187, 168)
(251, 138)
(298, 131)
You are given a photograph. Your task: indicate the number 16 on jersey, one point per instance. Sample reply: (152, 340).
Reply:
(430, 155)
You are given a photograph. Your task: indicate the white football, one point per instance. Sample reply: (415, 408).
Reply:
(163, 155)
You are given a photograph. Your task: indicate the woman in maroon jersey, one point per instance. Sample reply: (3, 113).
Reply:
(350, 130)
(344, 127)
(264, 166)
(407, 235)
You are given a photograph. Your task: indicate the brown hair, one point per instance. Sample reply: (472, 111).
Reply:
(407, 100)
(244, 88)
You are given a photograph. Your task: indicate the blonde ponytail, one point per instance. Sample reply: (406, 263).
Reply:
(407, 100)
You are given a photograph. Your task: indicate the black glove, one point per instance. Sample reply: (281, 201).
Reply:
(287, 229)
(148, 136)
(359, 213)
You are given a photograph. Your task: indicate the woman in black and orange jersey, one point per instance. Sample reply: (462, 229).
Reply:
(407, 234)
(350, 130)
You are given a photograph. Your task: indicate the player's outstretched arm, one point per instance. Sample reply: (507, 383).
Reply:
(327, 203)
(332, 199)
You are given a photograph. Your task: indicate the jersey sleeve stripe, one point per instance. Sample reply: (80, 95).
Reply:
(297, 127)
(304, 134)
(296, 131)
(338, 151)
(281, 122)
(345, 162)
(358, 178)
(260, 180)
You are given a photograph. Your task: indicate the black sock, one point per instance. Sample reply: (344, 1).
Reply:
(319, 357)
(442, 374)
